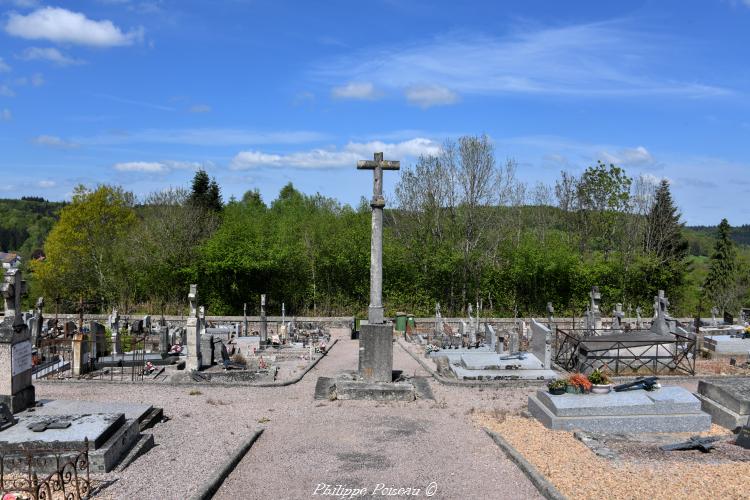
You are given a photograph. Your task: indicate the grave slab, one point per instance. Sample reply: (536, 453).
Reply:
(375, 391)
(669, 409)
(727, 401)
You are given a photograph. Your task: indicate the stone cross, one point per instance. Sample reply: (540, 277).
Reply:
(660, 321)
(193, 300)
(617, 317)
(714, 312)
(263, 324)
(377, 165)
(245, 325)
(638, 319)
(13, 288)
(596, 298)
(550, 313)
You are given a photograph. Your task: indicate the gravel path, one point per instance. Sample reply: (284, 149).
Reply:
(359, 444)
(580, 474)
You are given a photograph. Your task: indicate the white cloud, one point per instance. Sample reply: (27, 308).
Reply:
(6, 91)
(53, 141)
(37, 80)
(359, 91)
(6, 115)
(426, 96)
(63, 26)
(204, 137)
(200, 108)
(48, 54)
(4, 68)
(160, 166)
(46, 184)
(333, 158)
(637, 156)
(141, 166)
(569, 60)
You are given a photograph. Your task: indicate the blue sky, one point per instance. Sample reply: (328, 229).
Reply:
(260, 93)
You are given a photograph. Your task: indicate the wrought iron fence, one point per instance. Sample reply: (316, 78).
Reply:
(53, 359)
(42, 474)
(576, 351)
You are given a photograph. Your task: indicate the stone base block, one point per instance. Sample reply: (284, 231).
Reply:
(375, 391)
(376, 353)
(721, 415)
(25, 398)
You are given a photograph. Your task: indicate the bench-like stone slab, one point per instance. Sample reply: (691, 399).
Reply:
(375, 391)
(493, 361)
(523, 374)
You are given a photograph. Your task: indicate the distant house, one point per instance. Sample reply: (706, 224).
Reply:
(10, 260)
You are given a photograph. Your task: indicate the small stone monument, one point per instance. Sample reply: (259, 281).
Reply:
(114, 327)
(245, 330)
(193, 361)
(489, 336)
(38, 320)
(617, 316)
(16, 390)
(97, 339)
(438, 321)
(638, 319)
(550, 316)
(80, 354)
(660, 325)
(743, 438)
(714, 312)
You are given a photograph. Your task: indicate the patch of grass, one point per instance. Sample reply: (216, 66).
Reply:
(195, 392)
(264, 420)
(216, 402)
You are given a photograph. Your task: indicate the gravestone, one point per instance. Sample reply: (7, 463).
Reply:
(727, 400)
(438, 321)
(192, 333)
(97, 332)
(714, 312)
(147, 324)
(489, 336)
(69, 328)
(37, 321)
(550, 316)
(114, 331)
(594, 314)
(513, 345)
(16, 390)
(136, 326)
(743, 438)
(638, 319)
(728, 318)
(376, 338)
(164, 339)
(263, 320)
(660, 324)
(245, 330)
(541, 343)
(617, 318)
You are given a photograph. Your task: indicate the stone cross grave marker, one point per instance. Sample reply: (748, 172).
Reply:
(550, 314)
(714, 312)
(377, 165)
(376, 338)
(192, 329)
(16, 389)
(263, 322)
(617, 316)
(661, 303)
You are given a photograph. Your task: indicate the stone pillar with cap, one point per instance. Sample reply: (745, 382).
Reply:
(192, 329)
(16, 389)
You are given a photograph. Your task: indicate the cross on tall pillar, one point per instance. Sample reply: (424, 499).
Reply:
(377, 165)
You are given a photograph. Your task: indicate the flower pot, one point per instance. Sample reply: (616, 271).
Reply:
(557, 391)
(572, 389)
(601, 388)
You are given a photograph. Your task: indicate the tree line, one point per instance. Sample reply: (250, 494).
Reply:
(461, 228)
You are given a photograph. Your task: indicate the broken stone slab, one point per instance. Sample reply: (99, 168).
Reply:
(375, 391)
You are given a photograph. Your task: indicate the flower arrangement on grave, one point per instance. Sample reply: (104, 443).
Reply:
(557, 386)
(601, 383)
(578, 383)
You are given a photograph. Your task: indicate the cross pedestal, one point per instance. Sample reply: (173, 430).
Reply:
(376, 338)
(16, 389)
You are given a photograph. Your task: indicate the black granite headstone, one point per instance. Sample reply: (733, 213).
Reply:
(743, 438)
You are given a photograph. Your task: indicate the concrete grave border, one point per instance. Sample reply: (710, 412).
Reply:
(542, 484)
(210, 487)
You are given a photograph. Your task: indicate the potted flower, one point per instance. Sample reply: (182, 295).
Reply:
(600, 382)
(557, 386)
(578, 384)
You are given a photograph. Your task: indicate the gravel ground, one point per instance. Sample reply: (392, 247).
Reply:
(307, 442)
(579, 474)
